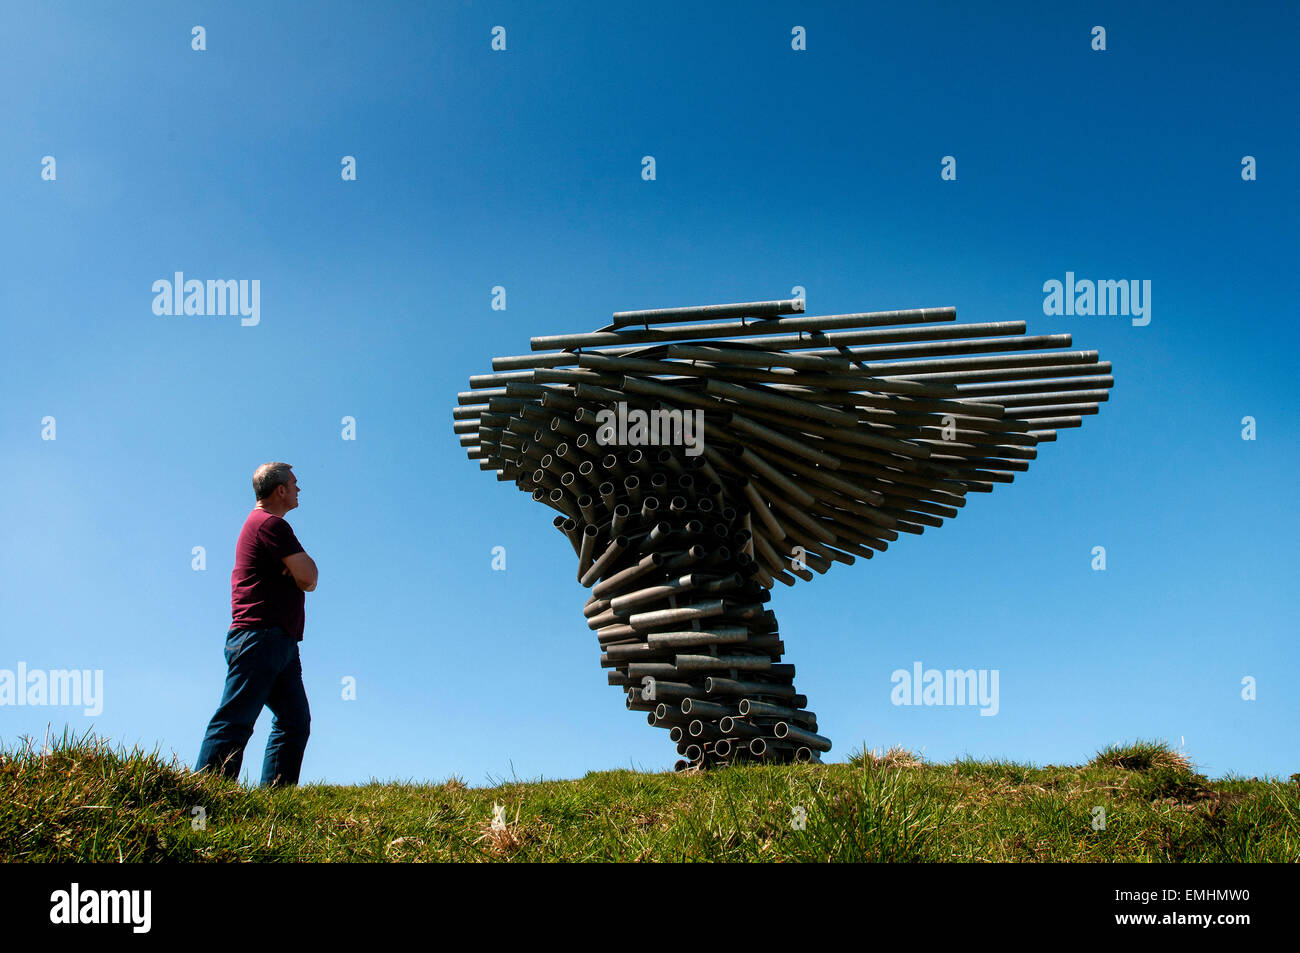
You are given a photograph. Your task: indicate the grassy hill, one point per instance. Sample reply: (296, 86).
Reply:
(77, 800)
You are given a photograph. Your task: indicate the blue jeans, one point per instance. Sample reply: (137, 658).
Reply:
(264, 669)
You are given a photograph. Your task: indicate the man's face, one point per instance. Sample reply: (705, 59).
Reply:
(291, 492)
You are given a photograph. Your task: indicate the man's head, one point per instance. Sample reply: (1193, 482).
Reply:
(276, 488)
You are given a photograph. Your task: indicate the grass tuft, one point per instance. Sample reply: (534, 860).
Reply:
(1143, 756)
(895, 757)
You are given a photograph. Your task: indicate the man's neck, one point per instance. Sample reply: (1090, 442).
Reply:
(271, 509)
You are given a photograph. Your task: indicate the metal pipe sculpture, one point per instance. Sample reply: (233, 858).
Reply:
(698, 456)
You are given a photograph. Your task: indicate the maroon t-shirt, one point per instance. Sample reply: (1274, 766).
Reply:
(261, 594)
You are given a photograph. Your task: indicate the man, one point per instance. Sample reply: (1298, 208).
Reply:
(267, 586)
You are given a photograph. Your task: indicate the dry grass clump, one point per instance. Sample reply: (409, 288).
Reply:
(895, 757)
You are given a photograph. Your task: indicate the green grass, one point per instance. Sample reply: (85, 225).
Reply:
(78, 800)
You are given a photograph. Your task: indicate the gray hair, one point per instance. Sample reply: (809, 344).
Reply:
(268, 476)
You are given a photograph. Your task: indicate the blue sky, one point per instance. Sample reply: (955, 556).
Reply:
(522, 168)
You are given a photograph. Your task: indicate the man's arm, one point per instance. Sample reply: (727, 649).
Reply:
(303, 569)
